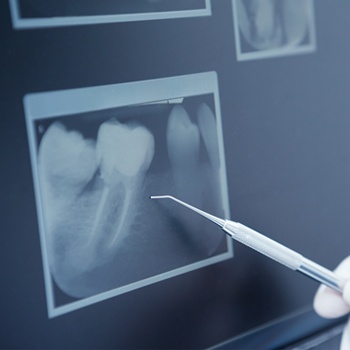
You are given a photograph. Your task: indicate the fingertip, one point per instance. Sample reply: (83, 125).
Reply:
(330, 304)
(345, 341)
(343, 269)
(318, 302)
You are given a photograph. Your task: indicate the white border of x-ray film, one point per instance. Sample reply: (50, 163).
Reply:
(81, 100)
(26, 23)
(278, 52)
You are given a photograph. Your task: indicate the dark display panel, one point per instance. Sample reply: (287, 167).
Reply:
(284, 123)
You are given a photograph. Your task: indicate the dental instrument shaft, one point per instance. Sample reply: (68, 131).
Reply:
(270, 248)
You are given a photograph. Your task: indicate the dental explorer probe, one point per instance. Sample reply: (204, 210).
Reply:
(270, 248)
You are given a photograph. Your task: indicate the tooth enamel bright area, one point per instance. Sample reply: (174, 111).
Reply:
(123, 149)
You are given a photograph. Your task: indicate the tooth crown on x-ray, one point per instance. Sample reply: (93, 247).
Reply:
(91, 189)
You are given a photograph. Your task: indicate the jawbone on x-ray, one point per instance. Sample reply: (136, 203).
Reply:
(96, 171)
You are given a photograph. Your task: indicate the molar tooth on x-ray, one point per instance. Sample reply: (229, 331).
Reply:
(67, 162)
(67, 166)
(124, 153)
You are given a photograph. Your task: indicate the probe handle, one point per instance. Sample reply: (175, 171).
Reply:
(282, 254)
(263, 244)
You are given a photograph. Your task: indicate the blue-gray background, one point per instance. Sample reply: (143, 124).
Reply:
(286, 131)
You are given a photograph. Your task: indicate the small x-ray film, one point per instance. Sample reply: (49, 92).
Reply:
(52, 13)
(97, 155)
(272, 28)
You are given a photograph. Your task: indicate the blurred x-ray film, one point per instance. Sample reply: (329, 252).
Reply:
(57, 13)
(272, 28)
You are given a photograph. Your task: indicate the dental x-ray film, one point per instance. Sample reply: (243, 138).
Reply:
(97, 155)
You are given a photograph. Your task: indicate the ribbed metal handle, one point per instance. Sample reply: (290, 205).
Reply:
(263, 244)
(282, 254)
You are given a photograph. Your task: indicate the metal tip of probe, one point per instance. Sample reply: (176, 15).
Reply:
(210, 217)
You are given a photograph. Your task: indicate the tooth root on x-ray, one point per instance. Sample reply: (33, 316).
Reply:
(124, 153)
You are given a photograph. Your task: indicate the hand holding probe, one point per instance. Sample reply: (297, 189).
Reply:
(270, 248)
